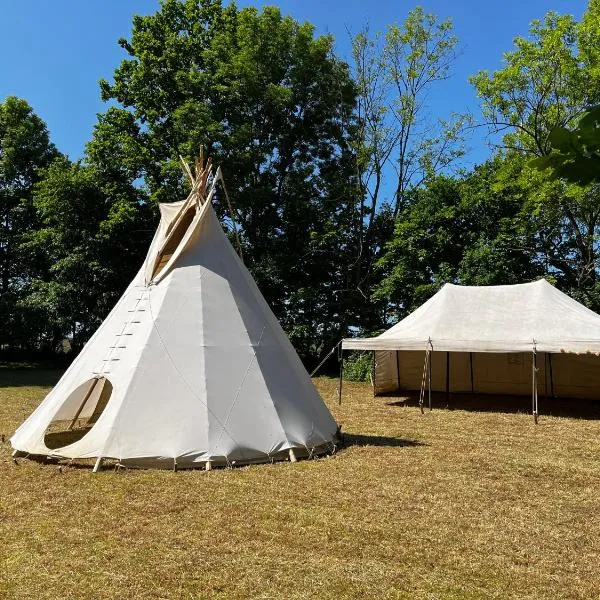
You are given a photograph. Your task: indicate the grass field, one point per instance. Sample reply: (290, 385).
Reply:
(450, 504)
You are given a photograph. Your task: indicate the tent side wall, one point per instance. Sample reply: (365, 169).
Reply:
(565, 375)
(386, 372)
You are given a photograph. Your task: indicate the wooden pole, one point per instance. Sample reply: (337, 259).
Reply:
(341, 376)
(398, 367)
(424, 379)
(472, 378)
(447, 377)
(84, 401)
(551, 376)
(534, 399)
(97, 465)
(373, 371)
(546, 375)
(430, 365)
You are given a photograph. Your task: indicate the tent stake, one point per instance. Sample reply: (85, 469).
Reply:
(534, 391)
(341, 376)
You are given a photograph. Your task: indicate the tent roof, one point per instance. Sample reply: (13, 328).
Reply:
(502, 318)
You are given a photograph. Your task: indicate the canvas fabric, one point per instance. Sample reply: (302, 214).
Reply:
(200, 368)
(504, 318)
(491, 332)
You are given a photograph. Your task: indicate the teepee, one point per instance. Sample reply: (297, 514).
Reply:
(190, 369)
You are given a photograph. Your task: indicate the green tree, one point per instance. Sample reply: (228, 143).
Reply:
(549, 80)
(91, 238)
(398, 142)
(470, 230)
(575, 155)
(25, 150)
(274, 107)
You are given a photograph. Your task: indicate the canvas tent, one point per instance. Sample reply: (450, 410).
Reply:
(508, 339)
(191, 368)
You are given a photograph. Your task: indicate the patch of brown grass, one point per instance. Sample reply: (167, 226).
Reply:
(450, 504)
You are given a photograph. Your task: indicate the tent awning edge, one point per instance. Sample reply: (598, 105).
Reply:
(500, 346)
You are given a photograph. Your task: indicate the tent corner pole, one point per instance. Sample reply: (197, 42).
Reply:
(430, 367)
(447, 378)
(534, 390)
(341, 375)
(472, 377)
(373, 371)
(551, 375)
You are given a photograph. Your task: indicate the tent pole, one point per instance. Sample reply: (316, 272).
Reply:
(326, 357)
(534, 384)
(97, 465)
(551, 376)
(397, 366)
(424, 379)
(373, 371)
(430, 366)
(546, 375)
(93, 382)
(471, 363)
(447, 378)
(341, 375)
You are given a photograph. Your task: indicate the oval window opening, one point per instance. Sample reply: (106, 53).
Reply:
(79, 413)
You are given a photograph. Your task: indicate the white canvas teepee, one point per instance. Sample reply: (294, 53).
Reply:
(191, 367)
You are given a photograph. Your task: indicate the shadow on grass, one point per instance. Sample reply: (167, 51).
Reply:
(557, 407)
(352, 439)
(18, 376)
(54, 461)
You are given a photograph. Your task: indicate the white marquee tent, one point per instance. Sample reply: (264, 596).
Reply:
(507, 339)
(191, 367)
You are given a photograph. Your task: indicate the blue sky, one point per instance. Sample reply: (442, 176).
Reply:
(52, 53)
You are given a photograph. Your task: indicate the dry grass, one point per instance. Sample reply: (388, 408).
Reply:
(450, 504)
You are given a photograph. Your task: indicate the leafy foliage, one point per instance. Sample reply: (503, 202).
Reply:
(469, 230)
(343, 187)
(358, 366)
(575, 154)
(549, 81)
(273, 105)
(546, 83)
(394, 72)
(86, 229)
(25, 150)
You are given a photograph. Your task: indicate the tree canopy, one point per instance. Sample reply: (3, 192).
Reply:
(25, 151)
(350, 197)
